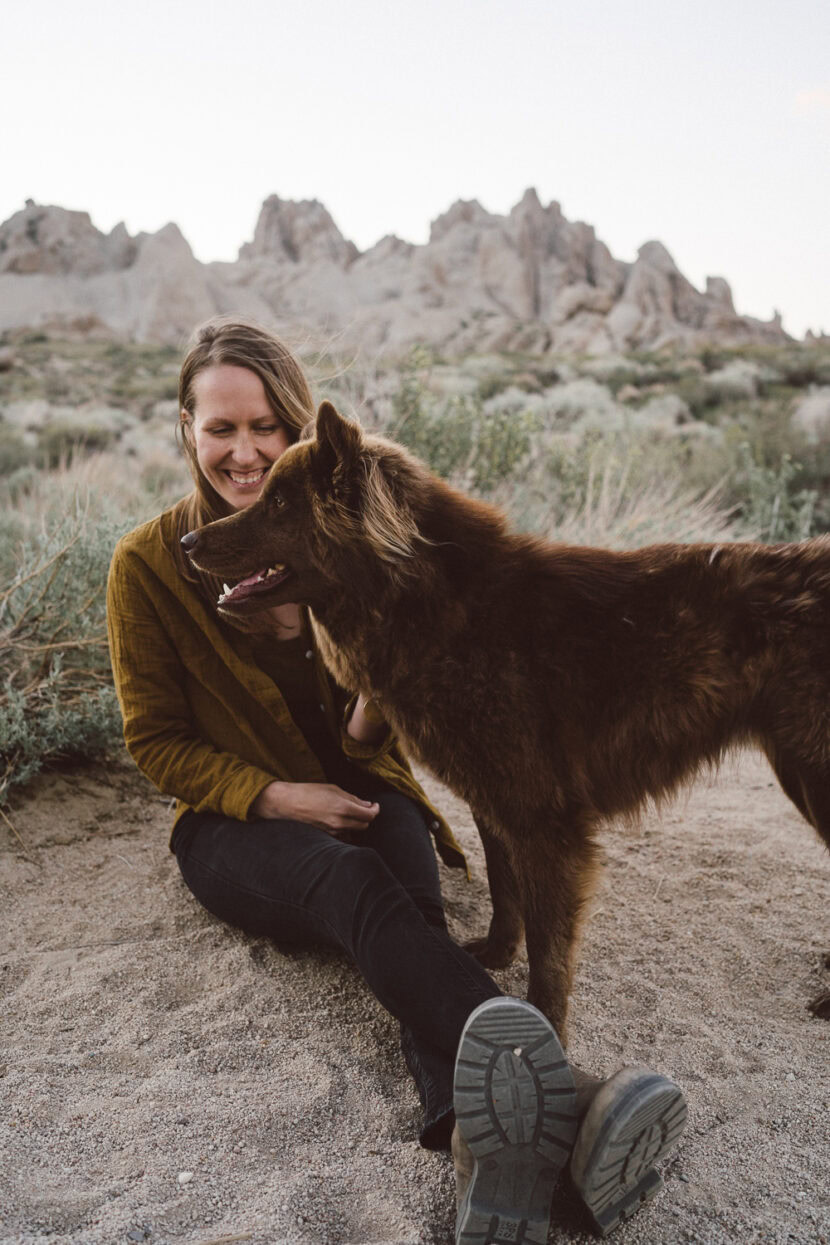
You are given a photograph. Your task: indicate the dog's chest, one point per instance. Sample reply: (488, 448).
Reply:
(338, 662)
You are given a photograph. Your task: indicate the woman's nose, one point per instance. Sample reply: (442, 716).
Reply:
(244, 449)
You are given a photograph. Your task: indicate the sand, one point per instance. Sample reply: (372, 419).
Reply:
(166, 1079)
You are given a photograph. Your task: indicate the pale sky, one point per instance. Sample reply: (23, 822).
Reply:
(705, 124)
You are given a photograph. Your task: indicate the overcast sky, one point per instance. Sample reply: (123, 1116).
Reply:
(705, 123)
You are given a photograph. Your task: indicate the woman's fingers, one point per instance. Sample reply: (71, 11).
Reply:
(343, 812)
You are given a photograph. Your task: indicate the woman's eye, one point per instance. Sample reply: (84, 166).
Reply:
(268, 430)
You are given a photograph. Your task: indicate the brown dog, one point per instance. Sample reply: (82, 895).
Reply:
(550, 686)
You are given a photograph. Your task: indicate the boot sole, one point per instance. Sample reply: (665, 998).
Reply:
(515, 1107)
(637, 1122)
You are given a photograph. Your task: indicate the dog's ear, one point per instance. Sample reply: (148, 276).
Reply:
(337, 448)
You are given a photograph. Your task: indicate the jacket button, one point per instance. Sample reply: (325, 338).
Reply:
(323, 708)
(435, 825)
(309, 654)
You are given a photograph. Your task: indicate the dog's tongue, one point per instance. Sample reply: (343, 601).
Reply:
(238, 589)
(252, 579)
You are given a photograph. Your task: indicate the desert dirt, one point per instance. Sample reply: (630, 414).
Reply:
(164, 1078)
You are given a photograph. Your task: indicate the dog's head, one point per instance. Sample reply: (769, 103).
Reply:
(335, 515)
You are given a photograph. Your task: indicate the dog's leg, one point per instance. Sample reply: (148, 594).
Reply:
(506, 931)
(809, 789)
(555, 871)
(789, 775)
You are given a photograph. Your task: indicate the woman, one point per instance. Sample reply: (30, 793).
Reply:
(299, 819)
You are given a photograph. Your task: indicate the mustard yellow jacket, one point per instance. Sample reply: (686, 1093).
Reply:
(201, 719)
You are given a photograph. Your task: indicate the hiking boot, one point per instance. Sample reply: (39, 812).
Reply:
(515, 1110)
(633, 1120)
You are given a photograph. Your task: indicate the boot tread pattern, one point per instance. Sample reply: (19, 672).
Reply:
(622, 1175)
(516, 1109)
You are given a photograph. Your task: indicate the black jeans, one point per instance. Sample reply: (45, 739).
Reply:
(380, 902)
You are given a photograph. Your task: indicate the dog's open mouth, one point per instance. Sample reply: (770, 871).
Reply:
(254, 585)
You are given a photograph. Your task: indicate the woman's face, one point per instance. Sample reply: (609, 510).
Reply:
(235, 433)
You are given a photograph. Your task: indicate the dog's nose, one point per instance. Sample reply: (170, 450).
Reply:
(189, 540)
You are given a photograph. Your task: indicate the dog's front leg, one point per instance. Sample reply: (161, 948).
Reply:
(555, 872)
(504, 937)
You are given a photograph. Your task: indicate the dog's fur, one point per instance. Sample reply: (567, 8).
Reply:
(550, 686)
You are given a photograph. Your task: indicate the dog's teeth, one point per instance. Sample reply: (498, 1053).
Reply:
(225, 589)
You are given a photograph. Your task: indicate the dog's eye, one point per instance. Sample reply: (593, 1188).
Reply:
(278, 500)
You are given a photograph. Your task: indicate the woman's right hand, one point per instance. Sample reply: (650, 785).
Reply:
(320, 804)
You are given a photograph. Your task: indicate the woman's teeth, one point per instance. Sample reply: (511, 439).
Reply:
(248, 477)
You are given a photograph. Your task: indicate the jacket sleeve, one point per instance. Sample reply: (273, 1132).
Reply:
(366, 752)
(159, 732)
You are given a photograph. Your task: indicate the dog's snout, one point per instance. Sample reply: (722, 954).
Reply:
(189, 540)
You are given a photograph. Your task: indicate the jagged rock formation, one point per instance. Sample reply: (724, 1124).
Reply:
(531, 280)
(58, 271)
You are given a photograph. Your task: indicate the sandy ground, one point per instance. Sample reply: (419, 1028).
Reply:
(143, 1041)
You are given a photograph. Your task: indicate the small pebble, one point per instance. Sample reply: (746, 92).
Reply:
(184, 1177)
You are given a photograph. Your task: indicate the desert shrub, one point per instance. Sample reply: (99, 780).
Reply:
(492, 385)
(56, 699)
(615, 371)
(773, 506)
(804, 366)
(586, 402)
(14, 452)
(701, 399)
(736, 379)
(60, 439)
(57, 702)
(455, 436)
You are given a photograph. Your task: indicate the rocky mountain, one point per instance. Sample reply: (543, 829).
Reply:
(531, 280)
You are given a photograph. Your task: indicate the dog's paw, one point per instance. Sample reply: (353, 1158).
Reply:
(492, 953)
(820, 1006)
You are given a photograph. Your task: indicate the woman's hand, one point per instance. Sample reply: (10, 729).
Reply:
(320, 804)
(367, 724)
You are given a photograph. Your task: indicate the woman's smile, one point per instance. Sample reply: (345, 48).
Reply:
(248, 479)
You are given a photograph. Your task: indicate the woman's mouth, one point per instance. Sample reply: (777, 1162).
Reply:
(247, 479)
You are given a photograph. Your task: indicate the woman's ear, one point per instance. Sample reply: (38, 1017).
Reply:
(338, 445)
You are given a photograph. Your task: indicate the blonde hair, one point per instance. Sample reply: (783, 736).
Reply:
(240, 343)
